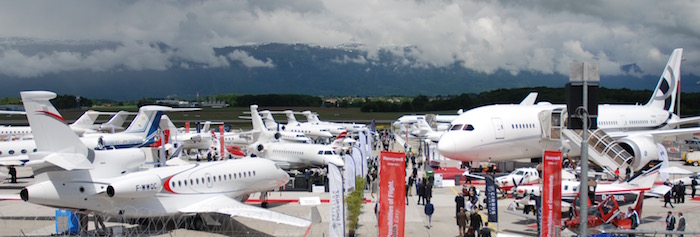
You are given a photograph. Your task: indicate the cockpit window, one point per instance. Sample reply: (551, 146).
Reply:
(329, 153)
(320, 152)
(468, 127)
(456, 127)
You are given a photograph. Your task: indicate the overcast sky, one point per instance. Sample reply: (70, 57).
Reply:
(514, 35)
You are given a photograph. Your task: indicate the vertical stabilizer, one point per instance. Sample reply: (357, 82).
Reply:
(268, 120)
(87, 119)
(117, 120)
(50, 131)
(664, 96)
(291, 119)
(258, 124)
(56, 143)
(146, 122)
(311, 117)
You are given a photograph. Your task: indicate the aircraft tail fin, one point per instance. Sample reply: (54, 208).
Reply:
(56, 143)
(290, 116)
(268, 120)
(664, 95)
(87, 119)
(423, 125)
(338, 142)
(530, 99)
(146, 122)
(117, 120)
(258, 124)
(645, 180)
(310, 116)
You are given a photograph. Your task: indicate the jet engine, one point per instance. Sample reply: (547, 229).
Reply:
(105, 142)
(642, 148)
(135, 186)
(39, 193)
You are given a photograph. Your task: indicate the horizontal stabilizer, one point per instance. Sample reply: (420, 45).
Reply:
(69, 161)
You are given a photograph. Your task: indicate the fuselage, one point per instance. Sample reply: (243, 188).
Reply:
(164, 192)
(507, 132)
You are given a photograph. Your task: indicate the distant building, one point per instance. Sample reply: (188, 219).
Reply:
(214, 104)
(12, 107)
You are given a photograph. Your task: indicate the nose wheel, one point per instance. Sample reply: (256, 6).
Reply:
(263, 198)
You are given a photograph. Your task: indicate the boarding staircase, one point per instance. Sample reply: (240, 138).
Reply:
(602, 149)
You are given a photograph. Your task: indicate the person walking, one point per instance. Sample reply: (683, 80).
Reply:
(693, 183)
(421, 192)
(475, 221)
(13, 174)
(617, 173)
(459, 203)
(681, 223)
(461, 221)
(681, 191)
(428, 190)
(486, 231)
(429, 209)
(407, 188)
(411, 179)
(670, 222)
(667, 199)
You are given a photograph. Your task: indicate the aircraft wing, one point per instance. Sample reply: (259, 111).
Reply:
(657, 133)
(225, 205)
(14, 160)
(658, 191)
(695, 119)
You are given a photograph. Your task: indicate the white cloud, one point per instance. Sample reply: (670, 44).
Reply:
(250, 61)
(481, 35)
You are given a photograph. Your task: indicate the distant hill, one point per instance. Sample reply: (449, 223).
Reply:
(300, 69)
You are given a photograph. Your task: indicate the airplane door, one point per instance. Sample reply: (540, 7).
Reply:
(498, 127)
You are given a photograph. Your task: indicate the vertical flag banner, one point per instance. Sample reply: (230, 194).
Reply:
(491, 199)
(187, 126)
(221, 142)
(392, 192)
(357, 159)
(551, 193)
(335, 186)
(349, 173)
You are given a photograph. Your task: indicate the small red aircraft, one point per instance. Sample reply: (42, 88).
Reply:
(605, 214)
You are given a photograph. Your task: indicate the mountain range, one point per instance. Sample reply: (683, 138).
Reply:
(298, 69)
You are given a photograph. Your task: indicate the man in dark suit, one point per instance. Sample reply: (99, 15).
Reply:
(486, 231)
(670, 222)
(681, 223)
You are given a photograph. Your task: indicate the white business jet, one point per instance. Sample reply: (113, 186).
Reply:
(290, 155)
(508, 132)
(70, 175)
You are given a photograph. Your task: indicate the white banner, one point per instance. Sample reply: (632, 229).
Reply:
(349, 173)
(357, 157)
(366, 151)
(335, 186)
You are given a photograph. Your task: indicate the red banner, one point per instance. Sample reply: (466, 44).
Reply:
(392, 194)
(551, 193)
(187, 126)
(222, 149)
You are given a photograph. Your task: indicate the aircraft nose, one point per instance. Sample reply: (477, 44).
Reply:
(446, 146)
(337, 161)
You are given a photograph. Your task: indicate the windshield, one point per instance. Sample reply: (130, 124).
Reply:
(456, 127)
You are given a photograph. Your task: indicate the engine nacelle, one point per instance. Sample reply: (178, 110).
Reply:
(643, 148)
(135, 186)
(106, 142)
(39, 193)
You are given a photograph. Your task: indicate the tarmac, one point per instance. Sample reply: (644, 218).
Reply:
(18, 218)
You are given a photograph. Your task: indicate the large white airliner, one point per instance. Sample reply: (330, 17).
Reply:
(508, 132)
(70, 175)
(290, 155)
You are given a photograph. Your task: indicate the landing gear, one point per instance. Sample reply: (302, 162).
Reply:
(263, 198)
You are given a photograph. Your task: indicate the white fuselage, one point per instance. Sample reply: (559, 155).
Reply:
(173, 188)
(300, 155)
(508, 132)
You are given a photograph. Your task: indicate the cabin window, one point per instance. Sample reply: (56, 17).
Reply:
(23, 151)
(11, 152)
(179, 183)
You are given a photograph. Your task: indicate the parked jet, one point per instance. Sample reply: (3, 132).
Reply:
(290, 155)
(309, 131)
(335, 130)
(508, 132)
(70, 175)
(84, 123)
(350, 127)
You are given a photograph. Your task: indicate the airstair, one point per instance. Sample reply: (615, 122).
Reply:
(602, 149)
